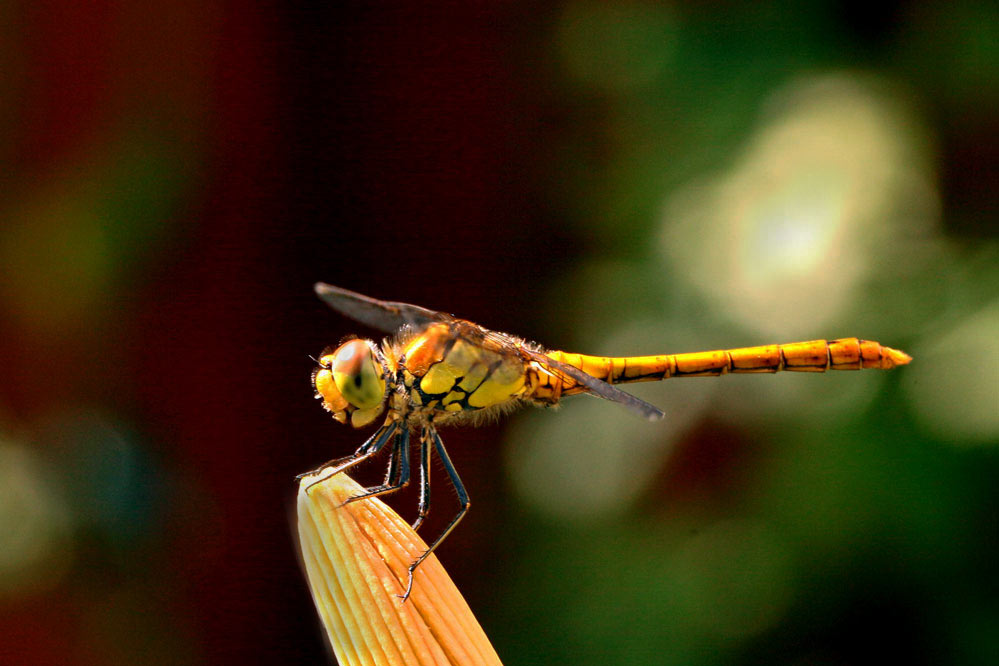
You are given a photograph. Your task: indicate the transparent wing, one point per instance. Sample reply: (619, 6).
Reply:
(599, 387)
(507, 344)
(386, 316)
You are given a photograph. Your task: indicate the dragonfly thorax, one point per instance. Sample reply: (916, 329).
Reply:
(445, 369)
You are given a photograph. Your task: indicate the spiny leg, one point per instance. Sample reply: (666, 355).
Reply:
(425, 448)
(398, 471)
(375, 443)
(332, 463)
(361, 450)
(462, 499)
(393, 471)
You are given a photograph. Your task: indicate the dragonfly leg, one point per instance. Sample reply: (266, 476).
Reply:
(398, 472)
(425, 447)
(361, 450)
(462, 500)
(375, 443)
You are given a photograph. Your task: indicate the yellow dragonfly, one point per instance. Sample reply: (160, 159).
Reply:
(441, 370)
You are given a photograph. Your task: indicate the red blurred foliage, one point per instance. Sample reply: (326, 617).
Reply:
(381, 150)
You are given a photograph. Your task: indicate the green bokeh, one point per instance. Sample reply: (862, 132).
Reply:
(841, 504)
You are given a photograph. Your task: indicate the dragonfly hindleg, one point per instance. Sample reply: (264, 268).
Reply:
(462, 500)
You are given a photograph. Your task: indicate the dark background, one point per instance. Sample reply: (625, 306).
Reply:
(177, 175)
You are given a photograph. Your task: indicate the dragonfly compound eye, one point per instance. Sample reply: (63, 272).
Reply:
(357, 374)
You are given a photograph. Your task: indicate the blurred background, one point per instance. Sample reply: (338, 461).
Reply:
(621, 178)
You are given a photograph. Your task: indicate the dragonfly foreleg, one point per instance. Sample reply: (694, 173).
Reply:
(398, 472)
(462, 500)
(375, 443)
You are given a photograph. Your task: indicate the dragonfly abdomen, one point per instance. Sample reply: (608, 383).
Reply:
(812, 356)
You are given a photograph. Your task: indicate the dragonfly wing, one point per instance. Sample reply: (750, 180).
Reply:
(595, 386)
(601, 388)
(386, 316)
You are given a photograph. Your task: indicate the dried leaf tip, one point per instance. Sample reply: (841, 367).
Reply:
(356, 558)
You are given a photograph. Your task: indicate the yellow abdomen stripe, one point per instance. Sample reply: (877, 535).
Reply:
(813, 356)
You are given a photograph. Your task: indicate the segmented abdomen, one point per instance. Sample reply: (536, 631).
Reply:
(813, 356)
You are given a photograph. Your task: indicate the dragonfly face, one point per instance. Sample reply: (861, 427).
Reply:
(350, 380)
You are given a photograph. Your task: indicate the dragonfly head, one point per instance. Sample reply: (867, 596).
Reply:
(350, 380)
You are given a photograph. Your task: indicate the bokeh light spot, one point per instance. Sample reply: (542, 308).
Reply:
(74, 232)
(35, 551)
(593, 457)
(783, 241)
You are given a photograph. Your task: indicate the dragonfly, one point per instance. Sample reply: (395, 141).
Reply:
(437, 370)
